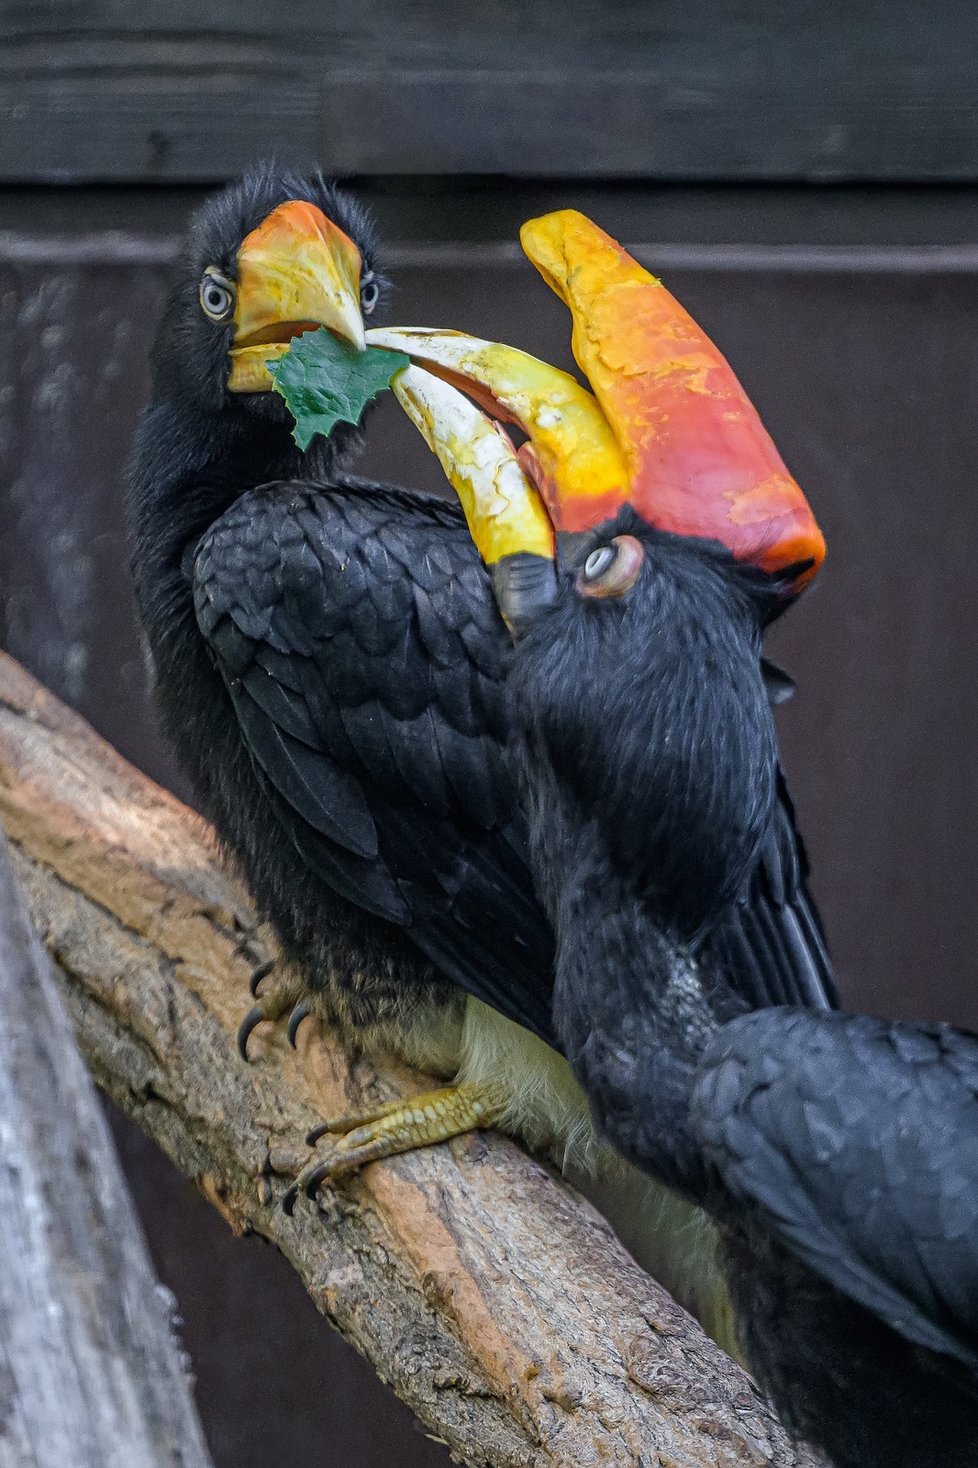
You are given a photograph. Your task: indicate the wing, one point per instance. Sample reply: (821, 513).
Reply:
(858, 1141)
(772, 944)
(360, 643)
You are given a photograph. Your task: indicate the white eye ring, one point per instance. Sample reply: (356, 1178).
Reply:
(599, 561)
(216, 295)
(369, 294)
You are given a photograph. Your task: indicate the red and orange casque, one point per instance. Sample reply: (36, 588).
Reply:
(697, 459)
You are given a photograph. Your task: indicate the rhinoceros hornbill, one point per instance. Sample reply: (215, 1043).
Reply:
(838, 1154)
(330, 665)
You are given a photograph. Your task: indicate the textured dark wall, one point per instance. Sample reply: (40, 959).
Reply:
(131, 90)
(864, 363)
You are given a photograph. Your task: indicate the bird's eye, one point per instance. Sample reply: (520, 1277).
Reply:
(369, 294)
(612, 569)
(598, 562)
(216, 296)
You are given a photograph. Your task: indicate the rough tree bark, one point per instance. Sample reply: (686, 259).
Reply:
(492, 1298)
(90, 1372)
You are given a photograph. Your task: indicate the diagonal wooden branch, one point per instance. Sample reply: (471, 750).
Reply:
(492, 1298)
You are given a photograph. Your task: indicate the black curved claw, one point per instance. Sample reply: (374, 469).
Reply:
(313, 1136)
(315, 1178)
(261, 972)
(289, 1199)
(254, 1017)
(301, 1012)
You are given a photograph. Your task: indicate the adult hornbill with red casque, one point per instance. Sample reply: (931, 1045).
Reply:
(837, 1153)
(330, 664)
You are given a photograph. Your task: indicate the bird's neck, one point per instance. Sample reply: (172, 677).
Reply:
(188, 467)
(652, 724)
(647, 758)
(634, 1007)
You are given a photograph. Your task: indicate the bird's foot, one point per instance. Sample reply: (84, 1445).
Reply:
(272, 1002)
(398, 1126)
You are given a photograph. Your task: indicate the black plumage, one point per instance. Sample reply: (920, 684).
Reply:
(331, 670)
(330, 666)
(368, 684)
(837, 1153)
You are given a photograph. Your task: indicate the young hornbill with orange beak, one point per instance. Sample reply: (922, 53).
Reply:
(330, 664)
(838, 1154)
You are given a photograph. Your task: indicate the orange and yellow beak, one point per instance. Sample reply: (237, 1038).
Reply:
(668, 428)
(297, 271)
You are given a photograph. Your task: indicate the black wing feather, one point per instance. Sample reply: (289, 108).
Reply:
(330, 799)
(366, 664)
(772, 944)
(858, 1141)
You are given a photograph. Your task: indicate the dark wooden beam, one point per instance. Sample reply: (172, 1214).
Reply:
(746, 90)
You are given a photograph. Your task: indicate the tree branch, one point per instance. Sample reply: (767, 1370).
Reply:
(491, 1297)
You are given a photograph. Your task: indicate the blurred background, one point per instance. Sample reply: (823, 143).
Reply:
(804, 178)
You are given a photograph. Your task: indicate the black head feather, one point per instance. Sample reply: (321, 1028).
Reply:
(190, 355)
(198, 446)
(646, 718)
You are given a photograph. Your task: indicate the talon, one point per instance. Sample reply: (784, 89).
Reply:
(318, 1132)
(316, 1178)
(253, 1018)
(311, 1179)
(261, 972)
(279, 999)
(301, 1012)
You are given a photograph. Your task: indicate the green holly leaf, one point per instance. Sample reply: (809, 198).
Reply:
(325, 380)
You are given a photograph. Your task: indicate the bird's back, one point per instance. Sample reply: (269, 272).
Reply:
(856, 1139)
(845, 1152)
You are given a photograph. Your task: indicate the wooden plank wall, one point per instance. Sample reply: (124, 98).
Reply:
(193, 90)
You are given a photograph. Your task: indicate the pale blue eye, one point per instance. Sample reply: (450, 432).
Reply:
(599, 561)
(369, 293)
(216, 297)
